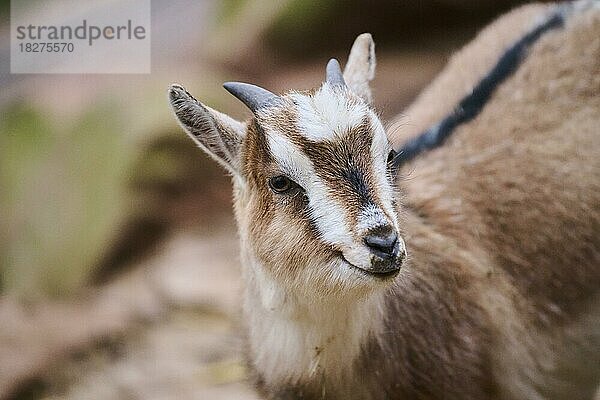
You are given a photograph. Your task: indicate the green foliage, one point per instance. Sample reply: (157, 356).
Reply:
(301, 20)
(299, 14)
(61, 198)
(5, 7)
(228, 9)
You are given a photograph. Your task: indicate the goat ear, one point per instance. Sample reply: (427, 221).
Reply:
(216, 133)
(360, 68)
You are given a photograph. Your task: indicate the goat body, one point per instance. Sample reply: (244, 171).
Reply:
(498, 295)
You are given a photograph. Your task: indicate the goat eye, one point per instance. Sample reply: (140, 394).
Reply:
(391, 155)
(281, 184)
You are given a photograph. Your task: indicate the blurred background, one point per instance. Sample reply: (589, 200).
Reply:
(119, 273)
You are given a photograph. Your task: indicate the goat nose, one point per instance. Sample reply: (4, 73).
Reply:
(383, 243)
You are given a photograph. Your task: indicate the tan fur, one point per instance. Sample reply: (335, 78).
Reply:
(532, 153)
(499, 297)
(464, 70)
(519, 188)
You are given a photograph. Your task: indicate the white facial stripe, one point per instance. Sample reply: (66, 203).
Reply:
(379, 145)
(327, 113)
(320, 117)
(379, 153)
(290, 158)
(329, 216)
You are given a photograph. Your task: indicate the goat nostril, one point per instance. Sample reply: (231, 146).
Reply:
(384, 245)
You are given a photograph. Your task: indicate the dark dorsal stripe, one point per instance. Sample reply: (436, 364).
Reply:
(472, 104)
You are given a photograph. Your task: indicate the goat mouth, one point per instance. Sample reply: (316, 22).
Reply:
(373, 274)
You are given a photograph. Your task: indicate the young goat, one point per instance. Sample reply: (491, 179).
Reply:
(496, 293)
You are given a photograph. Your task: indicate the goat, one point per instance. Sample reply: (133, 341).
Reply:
(477, 277)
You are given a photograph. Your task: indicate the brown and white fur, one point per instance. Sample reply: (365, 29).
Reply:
(499, 294)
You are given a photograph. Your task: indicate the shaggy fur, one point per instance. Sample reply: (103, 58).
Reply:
(471, 105)
(518, 189)
(499, 296)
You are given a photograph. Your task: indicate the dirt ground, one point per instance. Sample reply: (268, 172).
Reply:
(179, 339)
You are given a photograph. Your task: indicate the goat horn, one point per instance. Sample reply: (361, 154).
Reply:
(333, 74)
(254, 97)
